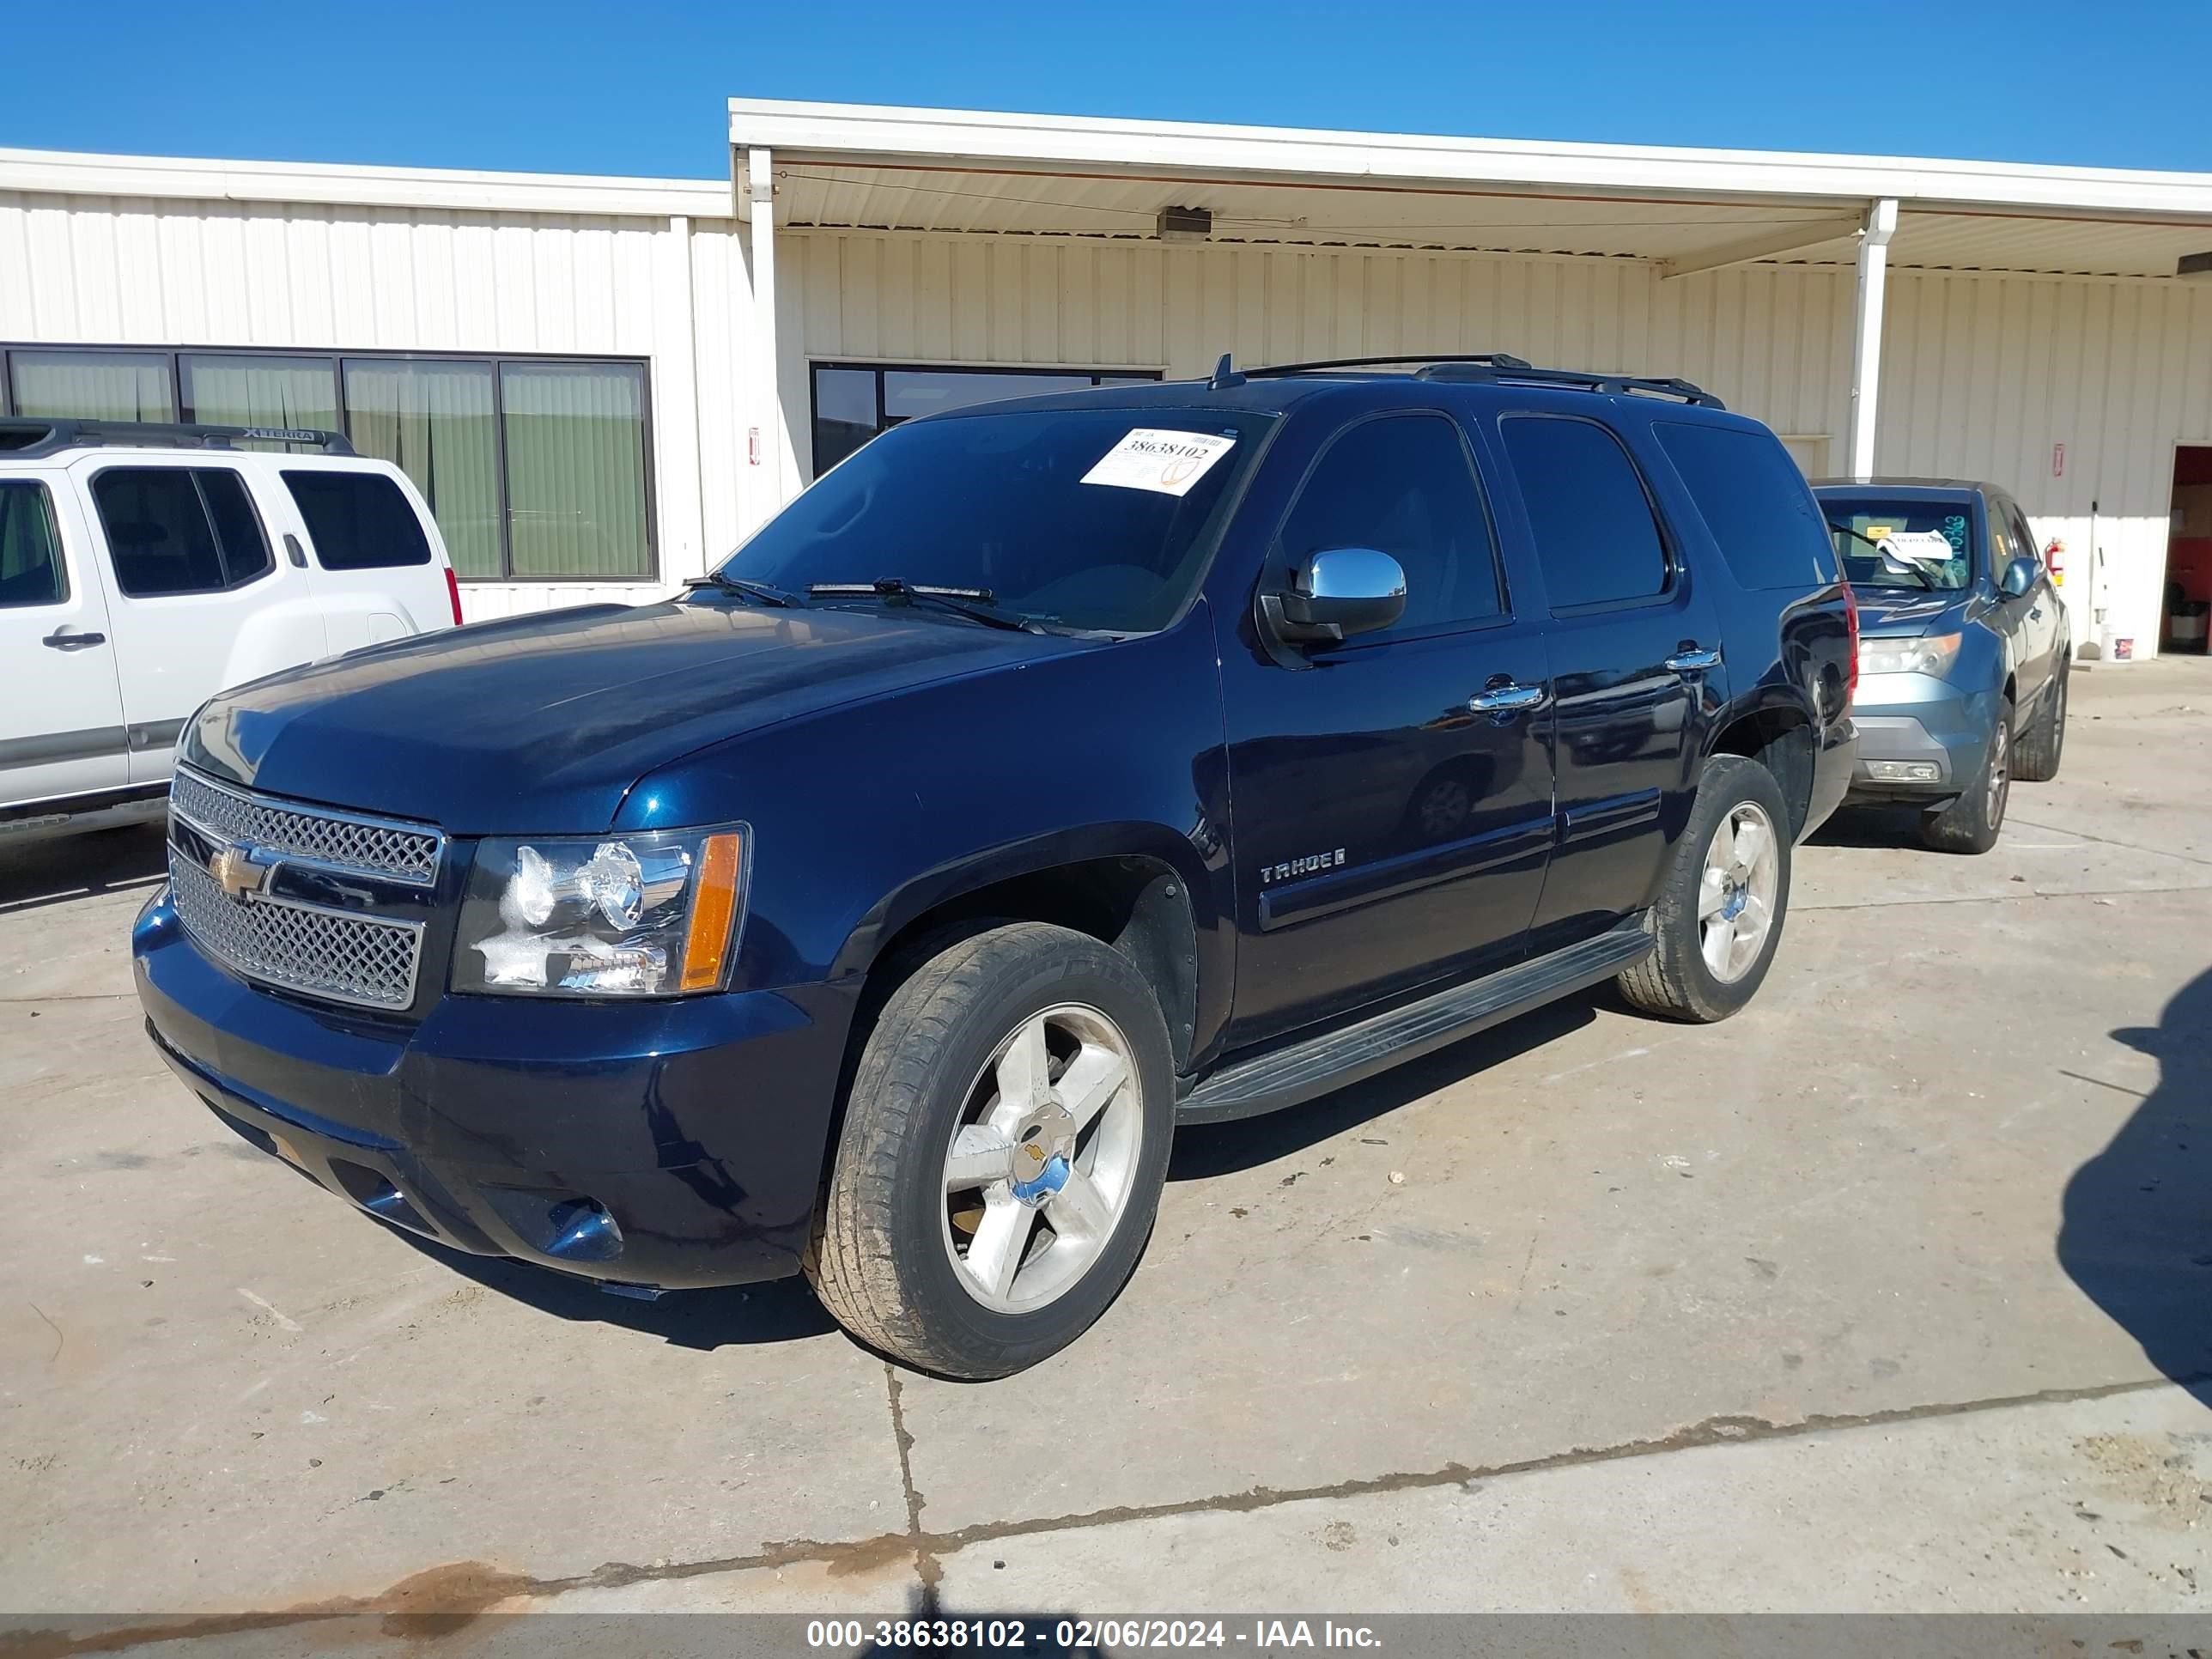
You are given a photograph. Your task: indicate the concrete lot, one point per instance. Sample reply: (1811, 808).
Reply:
(1873, 1297)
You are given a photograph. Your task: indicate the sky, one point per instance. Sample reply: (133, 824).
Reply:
(643, 88)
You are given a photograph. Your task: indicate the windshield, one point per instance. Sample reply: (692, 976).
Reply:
(1089, 518)
(1923, 544)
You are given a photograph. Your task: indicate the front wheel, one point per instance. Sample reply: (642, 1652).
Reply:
(1720, 912)
(1005, 1145)
(1972, 822)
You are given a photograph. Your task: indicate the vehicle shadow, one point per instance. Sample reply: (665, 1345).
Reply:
(726, 1316)
(784, 1310)
(2136, 1233)
(67, 867)
(1214, 1149)
(1869, 826)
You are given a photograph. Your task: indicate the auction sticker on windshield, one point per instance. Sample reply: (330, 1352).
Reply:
(1168, 462)
(1927, 546)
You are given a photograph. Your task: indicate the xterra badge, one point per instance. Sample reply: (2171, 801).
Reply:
(1271, 873)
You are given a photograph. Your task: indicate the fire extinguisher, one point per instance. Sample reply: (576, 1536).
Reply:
(2054, 560)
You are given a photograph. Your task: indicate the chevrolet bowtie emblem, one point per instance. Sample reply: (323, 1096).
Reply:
(236, 873)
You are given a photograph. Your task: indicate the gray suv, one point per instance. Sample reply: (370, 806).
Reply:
(1963, 651)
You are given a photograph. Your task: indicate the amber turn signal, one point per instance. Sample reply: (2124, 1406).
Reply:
(712, 911)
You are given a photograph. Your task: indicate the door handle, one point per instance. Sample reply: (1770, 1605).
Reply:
(1500, 699)
(2035, 613)
(62, 640)
(1691, 659)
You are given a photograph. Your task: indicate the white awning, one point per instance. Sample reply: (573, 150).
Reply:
(976, 173)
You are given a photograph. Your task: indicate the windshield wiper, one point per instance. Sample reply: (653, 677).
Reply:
(967, 602)
(1906, 565)
(758, 593)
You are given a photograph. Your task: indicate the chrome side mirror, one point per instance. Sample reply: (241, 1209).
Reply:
(1336, 593)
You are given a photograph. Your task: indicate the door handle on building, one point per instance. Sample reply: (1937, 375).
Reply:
(1504, 699)
(62, 640)
(1692, 658)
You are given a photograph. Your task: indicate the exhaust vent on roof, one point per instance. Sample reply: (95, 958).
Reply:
(1185, 224)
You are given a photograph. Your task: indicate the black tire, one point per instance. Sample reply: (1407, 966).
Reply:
(2036, 752)
(1972, 822)
(879, 1259)
(1675, 980)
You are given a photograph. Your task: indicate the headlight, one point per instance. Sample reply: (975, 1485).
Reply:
(652, 914)
(1932, 655)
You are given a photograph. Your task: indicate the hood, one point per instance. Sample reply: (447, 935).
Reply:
(540, 724)
(1908, 612)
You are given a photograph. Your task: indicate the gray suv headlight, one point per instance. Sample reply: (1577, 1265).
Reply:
(650, 915)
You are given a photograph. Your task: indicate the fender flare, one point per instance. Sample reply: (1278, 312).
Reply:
(1201, 954)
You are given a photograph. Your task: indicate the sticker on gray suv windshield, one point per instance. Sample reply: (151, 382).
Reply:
(1150, 457)
(1927, 546)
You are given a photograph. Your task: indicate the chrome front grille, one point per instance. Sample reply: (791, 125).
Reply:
(365, 960)
(289, 894)
(339, 840)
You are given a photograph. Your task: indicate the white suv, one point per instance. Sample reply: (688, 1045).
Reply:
(145, 568)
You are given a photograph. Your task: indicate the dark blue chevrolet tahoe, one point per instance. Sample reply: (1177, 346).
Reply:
(1048, 775)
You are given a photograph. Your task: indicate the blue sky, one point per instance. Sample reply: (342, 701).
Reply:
(640, 87)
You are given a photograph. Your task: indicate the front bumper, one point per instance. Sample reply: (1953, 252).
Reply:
(664, 1144)
(1920, 739)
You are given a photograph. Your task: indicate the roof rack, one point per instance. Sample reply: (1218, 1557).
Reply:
(24, 437)
(1493, 359)
(1498, 366)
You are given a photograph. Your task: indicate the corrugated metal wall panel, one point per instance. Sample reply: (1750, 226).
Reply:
(1773, 340)
(171, 273)
(1983, 376)
(1765, 337)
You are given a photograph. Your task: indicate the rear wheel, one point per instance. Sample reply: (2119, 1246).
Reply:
(2036, 753)
(1005, 1145)
(1720, 912)
(1972, 822)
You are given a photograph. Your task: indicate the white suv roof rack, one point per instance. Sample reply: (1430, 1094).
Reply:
(24, 438)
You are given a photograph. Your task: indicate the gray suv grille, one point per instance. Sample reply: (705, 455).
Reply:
(344, 841)
(324, 953)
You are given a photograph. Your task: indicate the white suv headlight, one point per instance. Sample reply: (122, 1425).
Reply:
(650, 915)
(1933, 653)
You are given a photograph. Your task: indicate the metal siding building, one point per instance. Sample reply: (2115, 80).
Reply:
(2016, 309)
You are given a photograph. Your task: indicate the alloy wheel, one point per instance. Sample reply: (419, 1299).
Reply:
(1736, 891)
(1042, 1165)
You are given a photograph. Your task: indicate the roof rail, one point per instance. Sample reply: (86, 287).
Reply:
(26, 437)
(1496, 359)
(1616, 385)
(1499, 365)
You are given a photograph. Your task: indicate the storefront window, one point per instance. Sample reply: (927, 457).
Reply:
(535, 469)
(96, 386)
(437, 422)
(575, 469)
(852, 403)
(259, 390)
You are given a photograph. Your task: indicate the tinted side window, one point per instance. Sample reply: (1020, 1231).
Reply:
(2002, 551)
(1403, 485)
(238, 527)
(358, 520)
(1754, 500)
(176, 530)
(1593, 524)
(30, 554)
